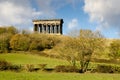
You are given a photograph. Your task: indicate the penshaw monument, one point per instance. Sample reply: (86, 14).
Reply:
(48, 26)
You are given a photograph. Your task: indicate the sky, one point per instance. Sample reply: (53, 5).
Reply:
(96, 15)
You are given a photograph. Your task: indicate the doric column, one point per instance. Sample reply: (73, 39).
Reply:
(50, 28)
(53, 28)
(36, 27)
(59, 28)
(42, 28)
(46, 28)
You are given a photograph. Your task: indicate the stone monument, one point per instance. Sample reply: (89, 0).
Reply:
(48, 26)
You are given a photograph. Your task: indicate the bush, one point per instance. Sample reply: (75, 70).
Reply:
(114, 49)
(42, 41)
(62, 68)
(15, 68)
(29, 67)
(104, 69)
(20, 42)
(37, 42)
(108, 69)
(42, 66)
(4, 65)
(4, 42)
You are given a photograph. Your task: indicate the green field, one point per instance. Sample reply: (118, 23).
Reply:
(20, 58)
(56, 76)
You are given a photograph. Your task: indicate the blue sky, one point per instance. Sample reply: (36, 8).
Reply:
(96, 15)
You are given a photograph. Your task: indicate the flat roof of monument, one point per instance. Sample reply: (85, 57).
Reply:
(48, 20)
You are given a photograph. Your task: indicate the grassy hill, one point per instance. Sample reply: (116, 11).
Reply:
(21, 58)
(24, 58)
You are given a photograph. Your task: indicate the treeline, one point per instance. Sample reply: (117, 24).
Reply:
(12, 40)
(80, 48)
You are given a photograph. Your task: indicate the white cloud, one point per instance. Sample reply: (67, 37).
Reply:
(73, 23)
(20, 13)
(105, 12)
(17, 13)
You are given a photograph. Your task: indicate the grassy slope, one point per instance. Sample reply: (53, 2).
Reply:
(56, 76)
(21, 58)
(35, 59)
(31, 59)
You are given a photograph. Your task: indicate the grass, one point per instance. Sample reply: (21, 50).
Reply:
(20, 58)
(55, 76)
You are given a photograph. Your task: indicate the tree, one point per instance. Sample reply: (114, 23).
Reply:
(37, 42)
(2, 30)
(12, 30)
(42, 41)
(8, 29)
(89, 42)
(20, 42)
(4, 42)
(115, 49)
(68, 49)
(81, 48)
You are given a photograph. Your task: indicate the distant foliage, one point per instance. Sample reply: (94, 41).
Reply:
(5, 36)
(2, 30)
(20, 42)
(9, 29)
(4, 42)
(42, 41)
(115, 49)
(12, 30)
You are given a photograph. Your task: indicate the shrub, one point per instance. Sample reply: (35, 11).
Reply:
(15, 68)
(4, 42)
(20, 42)
(62, 68)
(42, 41)
(115, 49)
(104, 68)
(29, 67)
(37, 42)
(42, 66)
(108, 69)
(4, 65)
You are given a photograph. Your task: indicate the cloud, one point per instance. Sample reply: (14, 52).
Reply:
(73, 23)
(20, 13)
(16, 13)
(106, 13)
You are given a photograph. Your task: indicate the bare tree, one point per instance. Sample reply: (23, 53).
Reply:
(81, 48)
